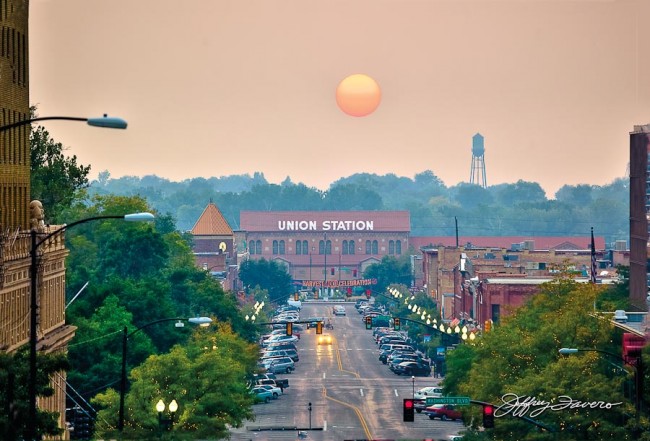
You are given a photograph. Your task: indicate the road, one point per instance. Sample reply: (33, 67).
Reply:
(353, 395)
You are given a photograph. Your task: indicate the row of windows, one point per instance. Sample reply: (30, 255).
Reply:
(13, 46)
(14, 143)
(325, 247)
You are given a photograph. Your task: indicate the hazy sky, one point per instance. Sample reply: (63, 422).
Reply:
(222, 87)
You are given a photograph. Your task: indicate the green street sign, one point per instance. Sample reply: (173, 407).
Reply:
(458, 401)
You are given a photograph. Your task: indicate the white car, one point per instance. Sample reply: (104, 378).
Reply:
(281, 339)
(339, 310)
(430, 391)
(276, 391)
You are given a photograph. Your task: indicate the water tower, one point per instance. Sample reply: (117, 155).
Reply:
(477, 173)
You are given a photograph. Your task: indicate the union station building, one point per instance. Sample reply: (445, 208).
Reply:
(323, 248)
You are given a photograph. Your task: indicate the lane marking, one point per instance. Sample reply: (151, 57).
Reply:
(361, 392)
(364, 425)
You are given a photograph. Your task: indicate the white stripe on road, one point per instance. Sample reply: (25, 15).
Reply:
(396, 394)
(361, 392)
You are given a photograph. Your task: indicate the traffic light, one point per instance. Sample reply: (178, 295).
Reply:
(368, 322)
(396, 324)
(319, 327)
(368, 294)
(488, 416)
(296, 297)
(488, 326)
(408, 408)
(349, 292)
(289, 328)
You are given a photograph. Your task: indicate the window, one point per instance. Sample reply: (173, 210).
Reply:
(398, 247)
(345, 247)
(368, 247)
(351, 246)
(299, 247)
(258, 247)
(282, 247)
(375, 247)
(251, 247)
(391, 247)
(275, 247)
(325, 247)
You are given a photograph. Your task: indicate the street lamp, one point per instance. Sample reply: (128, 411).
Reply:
(168, 423)
(35, 243)
(201, 321)
(103, 121)
(638, 373)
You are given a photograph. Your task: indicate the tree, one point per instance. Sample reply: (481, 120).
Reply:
(390, 271)
(520, 356)
(55, 178)
(208, 379)
(14, 380)
(269, 275)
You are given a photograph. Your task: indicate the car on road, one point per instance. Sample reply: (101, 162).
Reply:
(324, 339)
(338, 310)
(261, 394)
(443, 411)
(415, 368)
(312, 321)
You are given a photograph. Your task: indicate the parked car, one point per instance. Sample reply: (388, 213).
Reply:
(415, 368)
(276, 391)
(280, 346)
(270, 378)
(261, 394)
(429, 391)
(280, 365)
(443, 411)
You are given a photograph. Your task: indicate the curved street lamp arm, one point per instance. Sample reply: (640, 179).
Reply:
(105, 122)
(44, 118)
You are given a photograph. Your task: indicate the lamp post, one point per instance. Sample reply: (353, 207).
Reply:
(167, 423)
(638, 373)
(35, 243)
(201, 321)
(103, 121)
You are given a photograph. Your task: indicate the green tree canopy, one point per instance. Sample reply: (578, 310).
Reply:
(268, 275)
(55, 179)
(520, 356)
(208, 378)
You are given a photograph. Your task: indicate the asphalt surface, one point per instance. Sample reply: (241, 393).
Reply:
(353, 395)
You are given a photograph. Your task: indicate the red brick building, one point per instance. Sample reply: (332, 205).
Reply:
(323, 246)
(214, 244)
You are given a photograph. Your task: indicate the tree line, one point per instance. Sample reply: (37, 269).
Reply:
(515, 209)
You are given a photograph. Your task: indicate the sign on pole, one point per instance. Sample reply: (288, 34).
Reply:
(458, 401)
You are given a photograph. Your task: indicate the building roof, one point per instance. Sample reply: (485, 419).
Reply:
(211, 223)
(540, 242)
(325, 221)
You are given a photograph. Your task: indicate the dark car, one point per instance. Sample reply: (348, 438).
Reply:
(443, 411)
(311, 321)
(415, 368)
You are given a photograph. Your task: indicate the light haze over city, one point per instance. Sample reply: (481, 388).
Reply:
(217, 88)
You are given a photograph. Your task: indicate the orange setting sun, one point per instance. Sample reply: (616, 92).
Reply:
(358, 95)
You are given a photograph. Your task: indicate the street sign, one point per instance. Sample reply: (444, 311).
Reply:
(458, 401)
